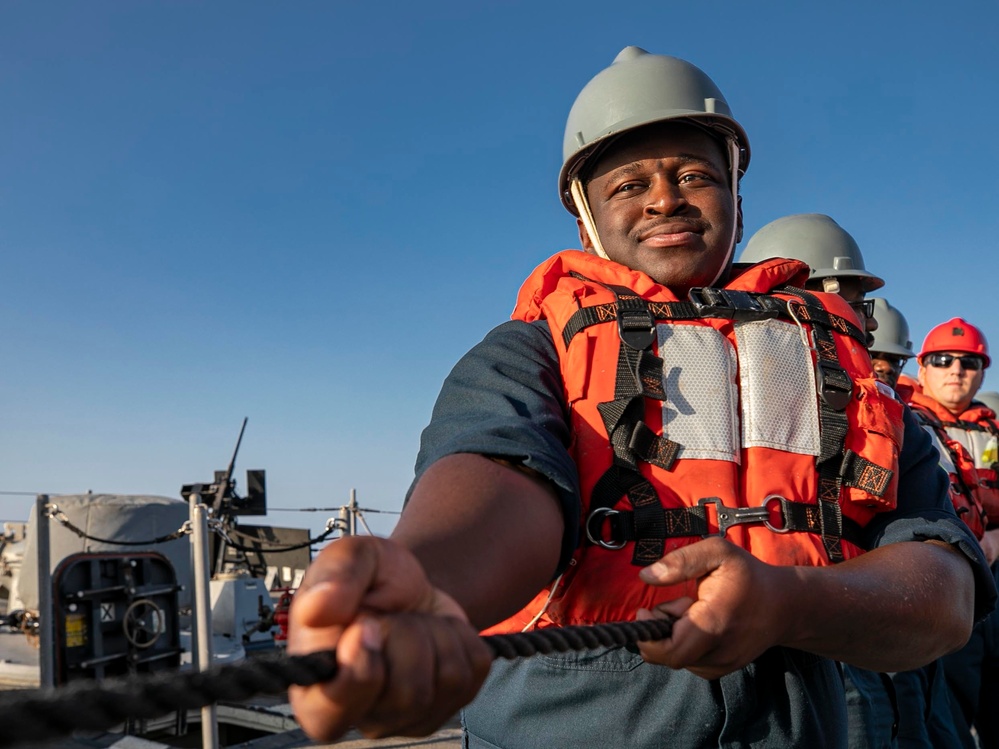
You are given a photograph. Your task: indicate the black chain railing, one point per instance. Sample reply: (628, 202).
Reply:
(60, 517)
(41, 715)
(268, 546)
(215, 525)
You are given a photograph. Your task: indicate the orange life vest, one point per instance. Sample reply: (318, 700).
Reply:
(742, 412)
(976, 433)
(905, 387)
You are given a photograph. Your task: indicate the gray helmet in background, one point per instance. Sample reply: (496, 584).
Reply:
(640, 89)
(892, 335)
(815, 239)
(990, 398)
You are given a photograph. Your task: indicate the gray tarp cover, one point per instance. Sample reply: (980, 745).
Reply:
(111, 516)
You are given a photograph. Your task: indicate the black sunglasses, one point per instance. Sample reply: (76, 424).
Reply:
(864, 308)
(970, 361)
(895, 362)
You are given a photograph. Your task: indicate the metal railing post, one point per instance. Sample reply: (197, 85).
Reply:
(46, 613)
(203, 612)
(353, 512)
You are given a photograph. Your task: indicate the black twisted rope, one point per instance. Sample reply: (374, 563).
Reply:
(564, 639)
(269, 547)
(41, 715)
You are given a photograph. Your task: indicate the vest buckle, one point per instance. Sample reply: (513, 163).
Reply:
(635, 324)
(726, 517)
(730, 304)
(836, 388)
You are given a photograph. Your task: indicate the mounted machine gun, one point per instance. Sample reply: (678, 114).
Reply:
(225, 503)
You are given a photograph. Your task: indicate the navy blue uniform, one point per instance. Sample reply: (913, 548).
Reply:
(505, 399)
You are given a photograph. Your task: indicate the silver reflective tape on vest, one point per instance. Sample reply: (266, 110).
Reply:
(946, 462)
(699, 371)
(981, 445)
(777, 381)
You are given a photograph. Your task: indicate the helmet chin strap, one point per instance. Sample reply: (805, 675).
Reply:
(583, 208)
(733, 160)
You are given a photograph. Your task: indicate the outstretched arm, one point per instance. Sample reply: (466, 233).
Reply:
(477, 540)
(895, 608)
(486, 532)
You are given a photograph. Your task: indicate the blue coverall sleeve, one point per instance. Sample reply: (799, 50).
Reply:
(504, 399)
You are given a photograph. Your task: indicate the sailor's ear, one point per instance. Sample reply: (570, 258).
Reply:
(584, 238)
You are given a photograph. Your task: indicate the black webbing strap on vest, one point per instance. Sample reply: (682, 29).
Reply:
(613, 529)
(861, 473)
(727, 304)
(639, 375)
(975, 426)
(835, 390)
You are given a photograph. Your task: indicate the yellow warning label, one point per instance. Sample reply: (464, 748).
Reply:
(76, 630)
(991, 453)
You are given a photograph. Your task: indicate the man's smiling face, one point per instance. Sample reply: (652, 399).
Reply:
(662, 204)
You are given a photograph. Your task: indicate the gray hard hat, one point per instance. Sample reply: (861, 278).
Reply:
(990, 398)
(815, 239)
(640, 89)
(892, 335)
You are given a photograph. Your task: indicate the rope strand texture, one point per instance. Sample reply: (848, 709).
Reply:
(564, 639)
(40, 715)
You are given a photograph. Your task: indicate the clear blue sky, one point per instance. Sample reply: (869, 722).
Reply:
(305, 212)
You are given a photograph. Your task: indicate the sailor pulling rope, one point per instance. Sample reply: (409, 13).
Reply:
(42, 715)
